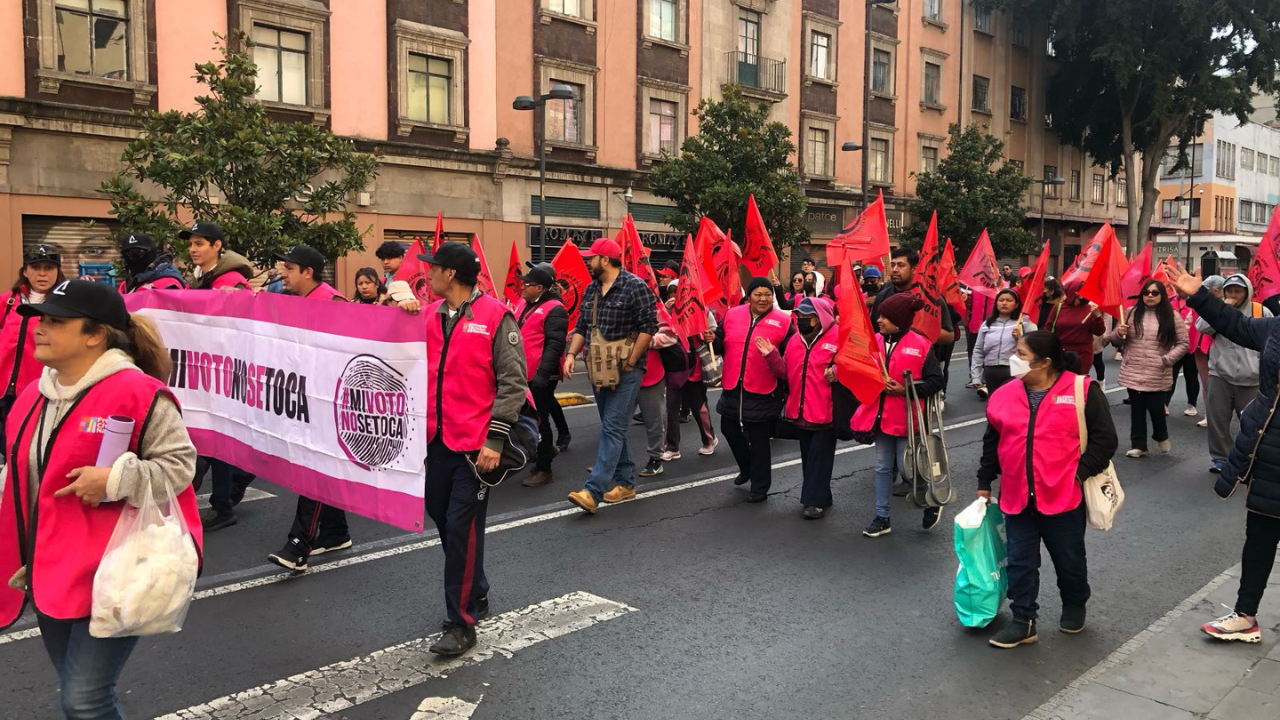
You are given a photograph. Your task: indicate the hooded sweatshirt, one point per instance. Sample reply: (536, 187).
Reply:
(1234, 364)
(229, 262)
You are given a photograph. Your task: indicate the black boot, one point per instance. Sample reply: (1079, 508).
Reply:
(1072, 620)
(1018, 632)
(455, 641)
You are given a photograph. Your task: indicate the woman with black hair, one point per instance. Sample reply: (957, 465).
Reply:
(997, 340)
(789, 298)
(369, 288)
(1034, 425)
(1153, 339)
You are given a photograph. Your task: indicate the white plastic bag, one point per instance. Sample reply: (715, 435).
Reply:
(147, 577)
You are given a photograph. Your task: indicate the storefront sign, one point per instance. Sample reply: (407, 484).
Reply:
(582, 237)
(824, 219)
(896, 219)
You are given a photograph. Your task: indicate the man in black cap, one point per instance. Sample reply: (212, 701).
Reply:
(216, 267)
(391, 253)
(146, 267)
(473, 340)
(544, 326)
(317, 528)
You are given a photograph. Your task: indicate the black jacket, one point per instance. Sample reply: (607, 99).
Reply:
(1255, 457)
(748, 406)
(556, 330)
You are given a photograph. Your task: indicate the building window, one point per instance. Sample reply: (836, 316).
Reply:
(281, 57)
(981, 94)
(822, 46)
(819, 54)
(1246, 211)
(1122, 192)
(982, 20)
(564, 117)
(1074, 186)
(662, 19)
(430, 86)
(817, 150)
(881, 71)
(879, 162)
(566, 7)
(93, 38)
(571, 123)
(1020, 166)
(749, 35)
(1099, 189)
(430, 80)
(663, 127)
(1226, 160)
(928, 159)
(1263, 159)
(1050, 172)
(1195, 162)
(1275, 166)
(817, 134)
(1020, 33)
(1018, 103)
(933, 10)
(932, 84)
(1246, 158)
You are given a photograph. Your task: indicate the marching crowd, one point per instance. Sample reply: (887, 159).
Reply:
(772, 352)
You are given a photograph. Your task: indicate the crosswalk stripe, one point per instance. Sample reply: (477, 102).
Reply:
(250, 495)
(450, 708)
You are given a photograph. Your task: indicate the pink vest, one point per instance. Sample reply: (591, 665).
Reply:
(740, 341)
(325, 291)
(809, 398)
(164, 283)
(70, 537)
(466, 359)
(232, 279)
(29, 368)
(1053, 450)
(908, 356)
(532, 329)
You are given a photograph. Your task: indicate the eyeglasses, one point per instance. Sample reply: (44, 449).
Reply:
(1151, 293)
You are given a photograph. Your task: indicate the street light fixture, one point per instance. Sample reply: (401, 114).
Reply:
(525, 102)
(1044, 187)
(866, 100)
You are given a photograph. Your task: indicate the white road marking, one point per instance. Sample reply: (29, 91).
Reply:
(250, 495)
(337, 687)
(450, 708)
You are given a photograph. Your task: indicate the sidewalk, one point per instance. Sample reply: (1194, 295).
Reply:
(1173, 671)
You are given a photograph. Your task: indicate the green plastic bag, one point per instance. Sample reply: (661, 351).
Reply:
(981, 582)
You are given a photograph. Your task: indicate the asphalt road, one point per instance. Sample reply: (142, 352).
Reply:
(704, 606)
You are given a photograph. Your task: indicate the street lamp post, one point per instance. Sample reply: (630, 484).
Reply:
(866, 100)
(525, 102)
(1044, 187)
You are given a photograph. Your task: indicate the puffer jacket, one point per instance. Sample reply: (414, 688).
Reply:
(1232, 363)
(228, 263)
(995, 343)
(1255, 457)
(1146, 366)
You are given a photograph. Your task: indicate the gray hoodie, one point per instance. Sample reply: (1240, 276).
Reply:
(1227, 360)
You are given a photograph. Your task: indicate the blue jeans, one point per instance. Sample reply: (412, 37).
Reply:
(87, 667)
(1063, 537)
(614, 465)
(889, 451)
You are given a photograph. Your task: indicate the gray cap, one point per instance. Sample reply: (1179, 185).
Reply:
(1214, 282)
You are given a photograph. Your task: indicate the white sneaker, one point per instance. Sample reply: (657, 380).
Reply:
(1191, 411)
(1164, 445)
(1136, 453)
(670, 455)
(709, 448)
(1203, 423)
(1233, 627)
(1103, 383)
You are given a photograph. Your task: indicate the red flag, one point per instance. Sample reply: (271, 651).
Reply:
(634, 253)
(859, 365)
(511, 290)
(981, 272)
(719, 256)
(485, 279)
(1103, 285)
(435, 244)
(865, 238)
(572, 279)
(1161, 273)
(1131, 281)
(1264, 271)
(928, 285)
(414, 271)
(1032, 290)
(758, 255)
(690, 307)
(1088, 257)
(950, 283)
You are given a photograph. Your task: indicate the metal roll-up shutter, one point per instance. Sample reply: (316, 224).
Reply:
(86, 250)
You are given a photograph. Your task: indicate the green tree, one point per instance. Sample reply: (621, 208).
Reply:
(1133, 77)
(973, 188)
(279, 184)
(737, 152)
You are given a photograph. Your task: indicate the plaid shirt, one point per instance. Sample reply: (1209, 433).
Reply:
(628, 307)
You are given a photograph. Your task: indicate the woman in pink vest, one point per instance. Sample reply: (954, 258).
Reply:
(810, 356)
(905, 351)
(1040, 473)
(41, 271)
(101, 362)
(751, 340)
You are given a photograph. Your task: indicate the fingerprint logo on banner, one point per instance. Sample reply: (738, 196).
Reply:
(370, 407)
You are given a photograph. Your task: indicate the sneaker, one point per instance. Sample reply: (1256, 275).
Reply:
(1166, 409)
(455, 641)
(1072, 620)
(211, 520)
(756, 497)
(932, 515)
(538, 479)
(1103, 384)
(292, 557)
(971, 385)
(653, 468)
(1018, 632)
(1136, 453)
(620, 493)
(742, 479)
(1203, 423)
(1164, 445)
(670, 455)
(684, 418)
(1119, 356)
(1191, 411)
(1216, 467)
(1234, 627)
(583, 499)
(709, 448)
(879, 526)
(983, 393)
(814, 513)
(325, 546)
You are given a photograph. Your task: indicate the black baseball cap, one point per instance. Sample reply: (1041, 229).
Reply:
(538, 276)
(82, 299)
(455, 256)
(204, 229)
(142, 241)
(304, 256)
(42, 253)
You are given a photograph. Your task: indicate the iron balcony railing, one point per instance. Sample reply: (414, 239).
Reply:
(757, 72)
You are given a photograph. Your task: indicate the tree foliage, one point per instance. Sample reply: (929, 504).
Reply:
(278, 184)
(1134, 77)
(972, 188)
(737, 152)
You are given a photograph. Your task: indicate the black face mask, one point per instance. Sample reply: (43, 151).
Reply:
(870, 285)
(139, 262)
(808, 331)
(809, 289)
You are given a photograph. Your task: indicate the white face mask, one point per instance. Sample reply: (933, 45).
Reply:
(1018, 367)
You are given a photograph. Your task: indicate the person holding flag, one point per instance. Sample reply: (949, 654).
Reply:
(996, 343)
(544, 327)
(902, 279)
(810, 357)
(1069, 316)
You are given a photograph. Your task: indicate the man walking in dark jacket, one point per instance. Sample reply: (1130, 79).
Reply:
(544, 327)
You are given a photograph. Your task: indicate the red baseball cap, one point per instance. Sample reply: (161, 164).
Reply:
(1024, 272)
(603, 246)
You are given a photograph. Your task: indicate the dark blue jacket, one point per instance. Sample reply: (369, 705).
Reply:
(1255, 457)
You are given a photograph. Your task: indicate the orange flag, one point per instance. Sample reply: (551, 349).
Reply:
(511, 290)
(435, 244)
(634, 254)
(485, 280)
(414, 271)
(950, 283)
(1033, 290)
(572, 279)
(1264, 271)
(859, 365)
(929, 285)
(719, 256)
(980, 272)
(690, 308)
(758, 255)
(866, 238)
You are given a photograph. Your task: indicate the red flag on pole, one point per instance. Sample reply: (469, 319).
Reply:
(708, 236)
(1032, 290)
(485, 280)
(859, 365)
(1089, 256)
(572, 279)
(758, 256)
(928, 285)
(435, 244)
(1264, 271)
(866, 238)
(511, 290)
(719, 256)
(690, 307)
(634, 254)
(950, 283)
(1103, 285)
(414, 272)
(1131, 281)
(981, 272)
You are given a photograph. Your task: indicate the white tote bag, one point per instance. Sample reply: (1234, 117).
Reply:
(1103, 496)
